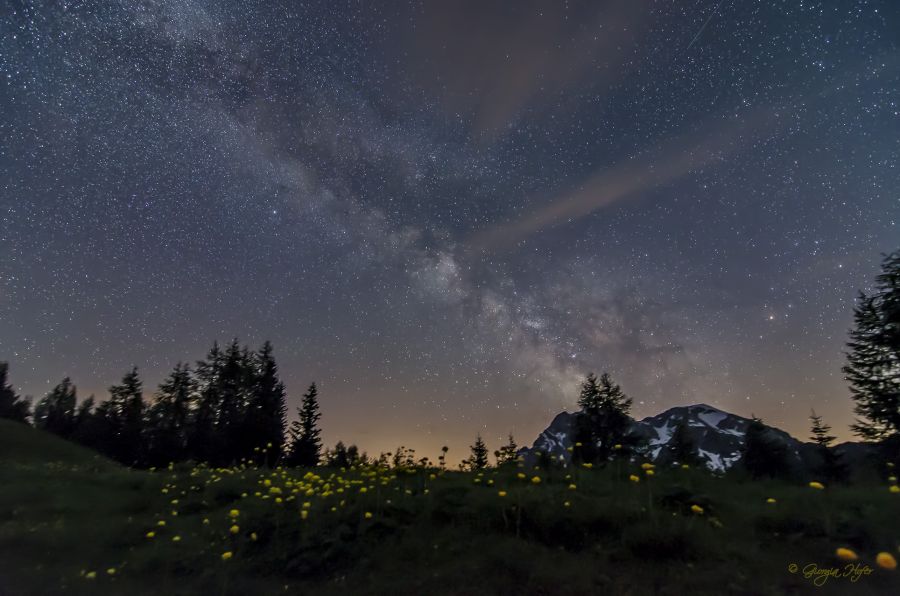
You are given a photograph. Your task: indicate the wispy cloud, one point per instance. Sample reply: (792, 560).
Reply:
(668, 160)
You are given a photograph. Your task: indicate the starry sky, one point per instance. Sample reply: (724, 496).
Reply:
(447, 213)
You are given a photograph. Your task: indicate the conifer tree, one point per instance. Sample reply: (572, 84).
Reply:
(169, 415)
(231, 443)
(127, 417)
(507, 453)
(268, 409)
(681, 448)
(478, 460)
(762, 456)
(56, 411)
(873, 360)
(201, 434)
(306, 443)
(11, 405)
(832, 466)
(603, 422)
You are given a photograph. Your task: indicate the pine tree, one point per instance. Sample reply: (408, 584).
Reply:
(681, 448)
(763, 457)
(306, 443)
(231, 443)
(85, 423)
(127, 411)
(202, 431)
(831, 465)
(479, 458)
(603, 422)
(268, 410)
(168, 417)
(508, 453)
(11, 405)
(56, 411)
(873, 362)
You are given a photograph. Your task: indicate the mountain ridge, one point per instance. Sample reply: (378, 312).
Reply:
(718, 437)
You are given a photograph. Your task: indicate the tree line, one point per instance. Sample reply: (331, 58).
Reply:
(229, 408)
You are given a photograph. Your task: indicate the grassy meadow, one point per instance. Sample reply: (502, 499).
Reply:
(74, 523)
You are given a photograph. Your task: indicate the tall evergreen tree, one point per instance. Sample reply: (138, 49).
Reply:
(207, 400)
(56, 411)
(231, 443)
(763, 457)
(873, 362)
(127, 417)
(86, 429)
(268, 409)
(832, 466)
(478, 460)
(603, 421)
(11, 405)
(168, 417)
(681, 448)
(306, 444)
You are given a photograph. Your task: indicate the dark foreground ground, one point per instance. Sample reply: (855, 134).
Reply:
(73, 523)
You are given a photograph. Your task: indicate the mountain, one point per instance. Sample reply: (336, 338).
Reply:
(718, 438)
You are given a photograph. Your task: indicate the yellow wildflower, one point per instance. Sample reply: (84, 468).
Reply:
(520, 476)
(176, 538)
(151, 535)
(536, 480)
(845, 554)
(886, 560)
(649, 472)
(234, 529)
(227, 555)
(816, 485)
(647, 466)
(567, 504)
(304, 514)
(253, 536)
(205, 521)
(90, 575)
(111, 571)
(617, 446)
(368, 515)
(233, 513)
(572, 487)
(634, 478)
(697, 509)
(587, 465)
(161, 523)
(894, 489)
(685, 467)
(771, 501)
(501, 493)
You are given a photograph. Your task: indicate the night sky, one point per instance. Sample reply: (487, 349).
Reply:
(447, 213)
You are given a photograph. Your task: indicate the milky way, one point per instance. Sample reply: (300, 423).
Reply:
(447, 213)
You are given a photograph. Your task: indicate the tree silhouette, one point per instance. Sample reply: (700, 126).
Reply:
(56, 411)
(832, 466)
(478, 460)
(11, 405)
(305, 442)
(603, 421)
(763, 457)
(873, 362)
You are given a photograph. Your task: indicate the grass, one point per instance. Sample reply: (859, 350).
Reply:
(65, 512)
